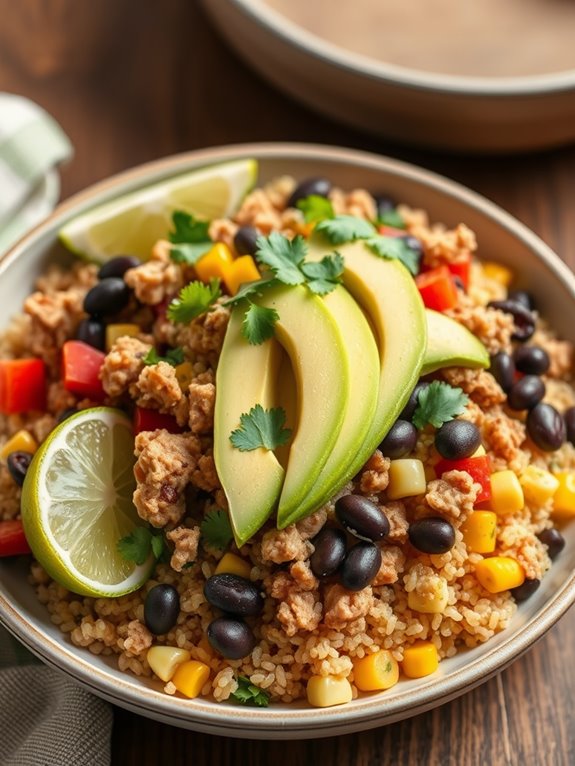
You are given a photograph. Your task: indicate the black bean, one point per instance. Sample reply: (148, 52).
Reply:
(329, 545)
(569, 416)
(400, 440)
(360, 566)
(384, 204)
(361, 517)
(522, 297)
(524, 591)
(502, 368)
(526, 393)
(245, 240)
(546, 427)
(523, 318)
(531, 360)
(413, 243)
(118, 266)
(432, 535)
(319, 187)
(458, 282)
(231, 637)
(457, 439)
(412, 402)
(234, 594)
(65, 414)
(107, 297)
(554, 541)
(92, 332)
(161, 609)
(18, 463)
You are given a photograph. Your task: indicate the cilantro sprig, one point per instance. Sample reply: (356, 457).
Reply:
(194, 299)
(249, 694)
(391, 217)
(174, 356)
(261, 428)
(139, 544)
(438, 403)
(259, 324)
(216, 530)
(315, 208)
(190, 238)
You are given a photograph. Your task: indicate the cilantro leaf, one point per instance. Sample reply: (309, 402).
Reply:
(283, 256)
(216, 529)
(438, 403)
(251, 288)
(261, 428)
(345, 228)
(159, 547)
(259, 324)
(138, 545)
(250, 694)
(194, 299)
(190, 253)
(191, 236)
(323, 276)
(391, 218)
(174, 356)
(315, 208)
(395, 247)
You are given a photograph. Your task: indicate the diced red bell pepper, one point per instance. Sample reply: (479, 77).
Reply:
(479, 468)
(461, 268)
(437, 289)
(12, 539)
(81, 366)
(22, 385)
(151, 420)
(391, 231)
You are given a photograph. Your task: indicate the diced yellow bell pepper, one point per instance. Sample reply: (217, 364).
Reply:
(214, 263)
(190, 677)
(479, 531)
(420, 659)
(184, 375)
(242, 270)
(375, 672)
(406, 478)
(498, 272)
(499, 573)
(232, 564)
(325, 691)
(564, 497)
(22, 441)
(164, 660)
(539, 485)
(115, 331)
(433, 600)
(506, 493)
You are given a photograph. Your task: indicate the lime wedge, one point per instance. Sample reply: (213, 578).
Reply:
(77, 504)
(133, 223)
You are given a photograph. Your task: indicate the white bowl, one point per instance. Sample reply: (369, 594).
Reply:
(451, 112)
(500, 237)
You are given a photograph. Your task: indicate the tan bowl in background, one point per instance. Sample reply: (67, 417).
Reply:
(500, 237)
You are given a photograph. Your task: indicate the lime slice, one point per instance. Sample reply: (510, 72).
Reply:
(77, 504)
(133, 223)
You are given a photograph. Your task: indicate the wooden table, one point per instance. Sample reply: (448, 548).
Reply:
(131, 81)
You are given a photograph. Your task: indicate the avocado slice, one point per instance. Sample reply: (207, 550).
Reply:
(450, 344)
(246, 376)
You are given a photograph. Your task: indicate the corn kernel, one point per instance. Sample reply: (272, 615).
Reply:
(22, 441)
(165, 659)
(325, 691)
(539, 485)
(242, 270)
(479, 452)
(376, 672)
(184, 375)
(420, 659)
(406, 478)
(232, 564)
(190, 677)
(214, 263)
(564, 497)
(115, 331)
(433, 600)
(498, 272)
(506, 493)
(499, 573)
(479, 531)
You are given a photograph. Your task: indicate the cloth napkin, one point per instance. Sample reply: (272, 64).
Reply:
(45, 719)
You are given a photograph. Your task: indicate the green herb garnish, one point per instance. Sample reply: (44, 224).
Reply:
(174, 356)
(250, 694)
(139, 544)
(315, 208)
(190, 235)
(259, 324)
(438, 403)
(216, 529)
(194, 299)
(261, 428)
(395, 247)
(391, 218)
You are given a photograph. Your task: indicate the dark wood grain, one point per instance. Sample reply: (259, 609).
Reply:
(131, 81)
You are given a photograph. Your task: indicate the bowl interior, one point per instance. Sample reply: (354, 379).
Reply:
(500, 238)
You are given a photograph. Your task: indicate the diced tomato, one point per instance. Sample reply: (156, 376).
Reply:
(461, 268)
(22, 385)
(151, 420)
(437, 289)
(12, 539)
(391, 231)
(479, 468)
(81, 366)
